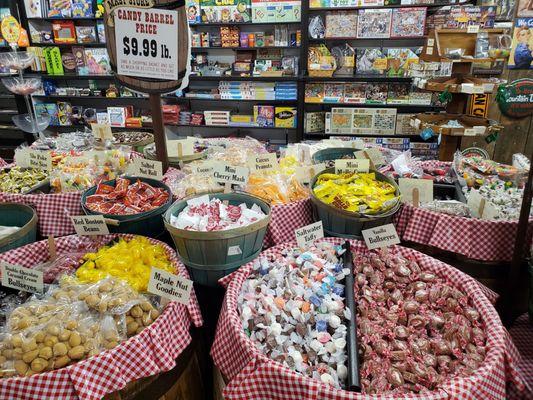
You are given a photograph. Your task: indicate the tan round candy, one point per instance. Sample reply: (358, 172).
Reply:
(29, 356)
(92, 300)
(46, 352)
(76, 353)
(29, 345)
(136, 312)
(16, 340)
(39, 336)
(146, 306)
(17, 353)
(21, 367)
(74, 339)
(71, 324)
(146, 319)
(38, 365)
(102, 307)
(61, 361)
(110, 344)
(132, 328)
(64, 335)
(154, 314)
(50, 341)
(60, 349)
(53, 330)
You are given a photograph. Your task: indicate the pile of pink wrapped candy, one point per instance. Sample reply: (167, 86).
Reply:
(415, 331)
(204, 215)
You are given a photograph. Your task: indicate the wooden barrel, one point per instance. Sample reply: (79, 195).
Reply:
(14, 214)
(152, 85)
(184, 381)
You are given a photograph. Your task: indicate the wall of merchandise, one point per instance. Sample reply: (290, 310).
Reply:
(277, 70)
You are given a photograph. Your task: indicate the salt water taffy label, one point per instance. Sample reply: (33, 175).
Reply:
(381, 236)
(170, 286)
(306, 235)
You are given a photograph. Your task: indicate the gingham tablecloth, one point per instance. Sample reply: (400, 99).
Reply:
(522, 334)
(152, 351)
(472, 237)
(253, 376)
(53, 210)
(286, 218)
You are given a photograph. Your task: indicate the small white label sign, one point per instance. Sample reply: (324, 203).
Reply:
(180, 148)
(307, 172)
(89, 225)
(424, 186)
(263, 162)
(381, 236)
(147, 168)
(306, 235)
(234, 250)
(347, 166)
(472, 29)
(225, 173)
(203, 168)
(102, 131)
(480, 207)
(34, 159)
(170, 286)
(21, 278)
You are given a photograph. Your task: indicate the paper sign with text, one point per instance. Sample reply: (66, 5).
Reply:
(424, 186)
(234, 250)
(89, 225)
(347, 166)
(21, 278)
(306, 235)
(34, 159)
(102, 131)
(170, 286)
(147, 168)
(307, 172)
(374, 155)
(225, 173)
(185, 145)
(204, 168)
(381, 236)
(480, 207)
(263, 162)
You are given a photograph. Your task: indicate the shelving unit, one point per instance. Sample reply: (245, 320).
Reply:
(205, 82)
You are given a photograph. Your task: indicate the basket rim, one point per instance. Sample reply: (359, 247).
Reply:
(24, 229)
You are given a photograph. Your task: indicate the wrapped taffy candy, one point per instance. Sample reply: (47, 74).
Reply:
(276, 189)
(355, 192)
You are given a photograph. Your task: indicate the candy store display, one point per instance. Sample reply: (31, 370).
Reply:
(359, 193)
(504, 199)
(68, 141)
(20, 180)
(299, 324)
(204, 215)
(126, 197)
(276, 189)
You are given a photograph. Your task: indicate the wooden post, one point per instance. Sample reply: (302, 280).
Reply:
(159, 130)
(416, 197)
(52, 248)
(481, 208)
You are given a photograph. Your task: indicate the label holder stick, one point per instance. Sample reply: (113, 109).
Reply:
(416, 197)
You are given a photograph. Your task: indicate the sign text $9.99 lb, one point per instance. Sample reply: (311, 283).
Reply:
(147, 48)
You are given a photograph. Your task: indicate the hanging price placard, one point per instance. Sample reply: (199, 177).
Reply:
(146, 42)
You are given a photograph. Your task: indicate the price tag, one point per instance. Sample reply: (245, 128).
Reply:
(147, 42)
(478, 89)
(381, 236)
(306, 235)
(408, 188)
(307, 172)
(180, 148)
(472, 29)
(89, 225)
(234, 250)
(346, 166)
(480, 130)
(205, 168)
(431, 42)
(374, 155)
(170, 286)
(147, 168)
(102, 131)
(470, 132)
(225, 173)
(21, 278)
(263, 162)
(467, 87)
(34, 159)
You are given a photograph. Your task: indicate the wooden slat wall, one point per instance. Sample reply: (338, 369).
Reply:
(516, 137)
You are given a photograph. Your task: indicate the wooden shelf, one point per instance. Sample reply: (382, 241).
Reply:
(202, 24)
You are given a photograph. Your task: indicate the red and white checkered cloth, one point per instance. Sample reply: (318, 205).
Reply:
(472, 237)
(253, 376)
(152, 351)
(286, 218)
(53, 210)
(522, 335)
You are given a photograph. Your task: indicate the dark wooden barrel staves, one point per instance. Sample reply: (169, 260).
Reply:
(151, 85)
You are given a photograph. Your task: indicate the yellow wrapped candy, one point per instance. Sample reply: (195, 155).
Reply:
(355, 192)
(129, 260)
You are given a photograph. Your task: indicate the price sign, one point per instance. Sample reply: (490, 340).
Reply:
(479, 207)
(170, 286)
(472, 29)
(102, 131)
(263, 162)
(225, 173)
(410, 187)
(346, 166)
(89, 225)
(147, 168)
(147, 42)
(180, 148)
(25, 279)
(308, 234)
(381, 236)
